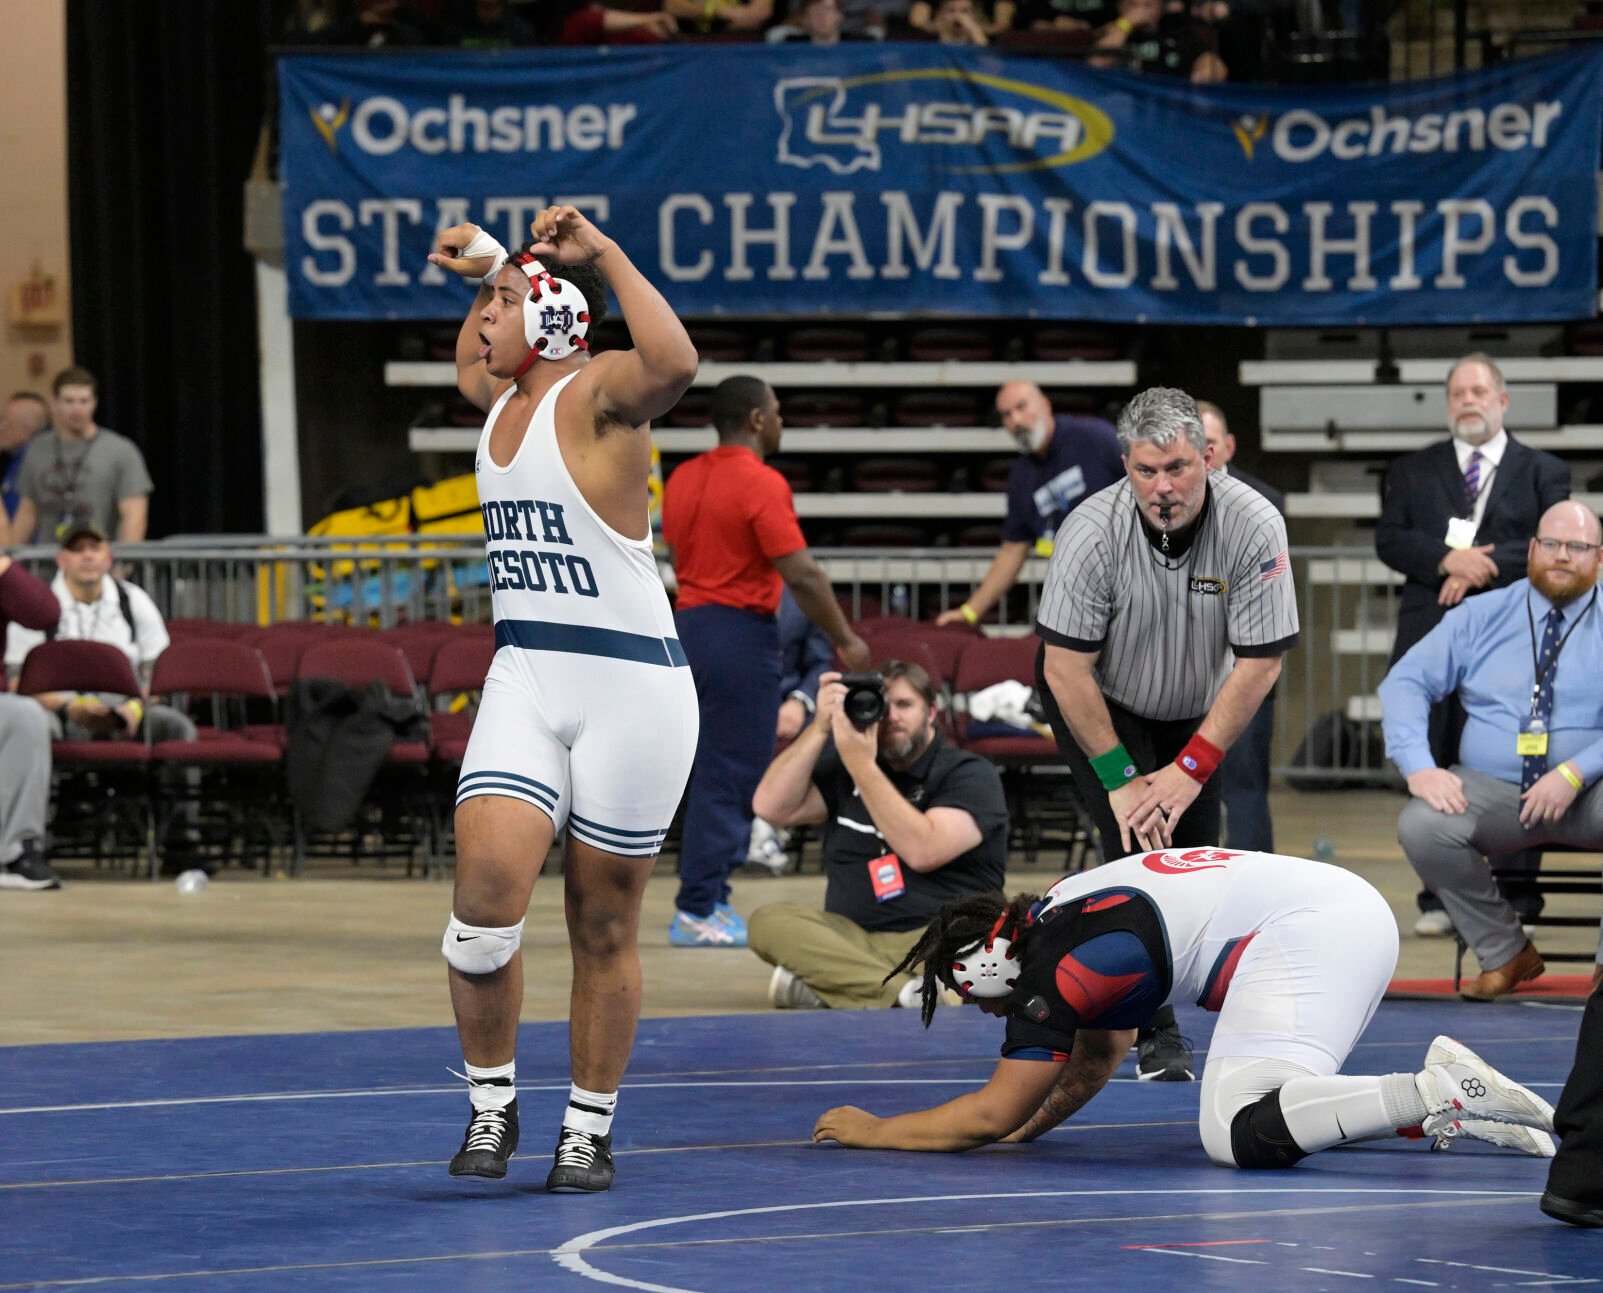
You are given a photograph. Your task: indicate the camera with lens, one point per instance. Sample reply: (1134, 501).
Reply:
(864, 702)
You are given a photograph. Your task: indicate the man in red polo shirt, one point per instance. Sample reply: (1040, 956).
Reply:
(732, 526)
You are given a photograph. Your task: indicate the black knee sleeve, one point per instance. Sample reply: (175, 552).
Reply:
(1259, 1136)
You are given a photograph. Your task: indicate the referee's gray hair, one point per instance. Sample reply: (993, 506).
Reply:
(1160, 415)
(1479, 357)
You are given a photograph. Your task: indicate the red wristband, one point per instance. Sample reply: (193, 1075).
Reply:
(1200, 759)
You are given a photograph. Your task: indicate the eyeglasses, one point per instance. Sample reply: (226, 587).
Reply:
(1573, 546)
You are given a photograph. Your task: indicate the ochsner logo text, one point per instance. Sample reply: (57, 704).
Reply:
(1303, 135)
(383, 125)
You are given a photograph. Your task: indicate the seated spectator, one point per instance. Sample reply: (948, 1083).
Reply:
(81, 469)
(489, 24)
(818, 22)
(584, 22)
(24, 745)
(379, 24)
(964, 23)
(705, 17)
(1524, 661)
(805, 651)
(909, 823)
(1170, 44)
(25, 416)
(96, 607)
(1062, 15)
(873, 19)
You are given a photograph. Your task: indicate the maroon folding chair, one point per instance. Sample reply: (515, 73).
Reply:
(101, 788)
(398, 809)
(231, 787)
(419, 642)
(1041, 796)
(459, 670)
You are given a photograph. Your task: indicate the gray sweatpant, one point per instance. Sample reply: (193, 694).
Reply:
(1449, 852)
(24, 772)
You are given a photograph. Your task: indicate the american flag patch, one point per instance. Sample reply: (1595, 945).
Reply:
(1275, 566)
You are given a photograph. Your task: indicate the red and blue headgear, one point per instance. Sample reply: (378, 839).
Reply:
(988, 969)
(556, 316)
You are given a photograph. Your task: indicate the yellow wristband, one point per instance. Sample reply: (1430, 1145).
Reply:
(969, 614)
(1124, 25)
(1568, 773)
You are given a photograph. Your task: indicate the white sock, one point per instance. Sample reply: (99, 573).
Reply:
(590, 1111)
(492, 1088)
(1325, 1111)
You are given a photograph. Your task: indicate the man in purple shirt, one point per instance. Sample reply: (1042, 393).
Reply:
(1062, 461)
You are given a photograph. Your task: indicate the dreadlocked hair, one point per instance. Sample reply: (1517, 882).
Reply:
(958, 927)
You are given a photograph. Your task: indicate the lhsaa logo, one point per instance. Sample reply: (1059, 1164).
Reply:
(844, 123)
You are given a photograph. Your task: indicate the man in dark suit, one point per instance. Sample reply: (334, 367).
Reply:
(1575, 1182)
(1244, 774)
(1456, 520)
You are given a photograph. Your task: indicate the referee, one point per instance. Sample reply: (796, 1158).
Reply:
(1165, 611)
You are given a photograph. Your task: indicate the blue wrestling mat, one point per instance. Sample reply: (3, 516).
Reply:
(318, 1162)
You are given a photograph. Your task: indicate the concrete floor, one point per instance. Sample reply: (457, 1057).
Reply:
(108, 957)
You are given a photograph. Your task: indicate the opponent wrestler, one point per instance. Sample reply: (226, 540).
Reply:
(1294, 955)
(588, 720)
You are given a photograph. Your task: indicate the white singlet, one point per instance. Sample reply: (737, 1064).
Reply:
(1294, 955)
(589, 712)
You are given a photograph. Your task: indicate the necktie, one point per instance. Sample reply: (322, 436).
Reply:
(1472, 476)
(1534, 765)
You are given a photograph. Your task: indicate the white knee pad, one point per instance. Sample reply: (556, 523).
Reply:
(475, 949)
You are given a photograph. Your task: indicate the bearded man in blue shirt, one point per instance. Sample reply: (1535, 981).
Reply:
(1525, 661)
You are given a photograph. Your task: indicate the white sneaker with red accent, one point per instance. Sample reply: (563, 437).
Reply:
(1524, 1140)
(1464, 1088)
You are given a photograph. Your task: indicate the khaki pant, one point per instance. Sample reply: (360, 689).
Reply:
(837, 958)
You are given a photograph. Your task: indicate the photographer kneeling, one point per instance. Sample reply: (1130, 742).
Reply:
(909, 824)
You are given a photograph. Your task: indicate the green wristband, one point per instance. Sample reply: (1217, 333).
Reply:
(1115, 768)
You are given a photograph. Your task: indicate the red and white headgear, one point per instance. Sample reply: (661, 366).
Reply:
(556, 316)
(988, 969)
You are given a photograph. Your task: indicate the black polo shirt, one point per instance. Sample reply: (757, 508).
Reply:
(942, 777)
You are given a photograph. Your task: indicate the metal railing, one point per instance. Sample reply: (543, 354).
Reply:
(1325, 698)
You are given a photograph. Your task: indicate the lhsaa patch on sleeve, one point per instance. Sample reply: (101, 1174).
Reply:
(1207, 587)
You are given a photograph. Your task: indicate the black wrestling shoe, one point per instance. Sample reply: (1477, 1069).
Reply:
(584, 1163)
(1163, 1055)
(491, 1137)
(1571, 1210)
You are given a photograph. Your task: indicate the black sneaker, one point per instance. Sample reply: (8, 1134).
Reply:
(29, 870)
(491, 1137)
(1162, 1055)
(584, 1163)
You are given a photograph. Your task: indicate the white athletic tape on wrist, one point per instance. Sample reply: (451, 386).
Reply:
(476, 949)
(484, 245)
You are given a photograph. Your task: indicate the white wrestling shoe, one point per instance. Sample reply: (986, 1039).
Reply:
(1524, 1140)
(1467, 1096)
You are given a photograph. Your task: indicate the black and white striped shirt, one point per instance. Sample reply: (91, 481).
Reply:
(1167, 629)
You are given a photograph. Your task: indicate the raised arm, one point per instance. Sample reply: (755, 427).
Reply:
(632, 386)
(467, 250)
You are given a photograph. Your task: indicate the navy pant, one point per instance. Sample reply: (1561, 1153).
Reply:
(1244, 784)
(734, 659)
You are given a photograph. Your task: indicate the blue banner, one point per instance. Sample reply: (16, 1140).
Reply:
(754, 180)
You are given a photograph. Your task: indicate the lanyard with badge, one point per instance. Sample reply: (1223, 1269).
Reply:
(1532, 738)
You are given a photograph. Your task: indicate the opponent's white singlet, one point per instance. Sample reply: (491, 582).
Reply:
(589, 711)
(1294, 954)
